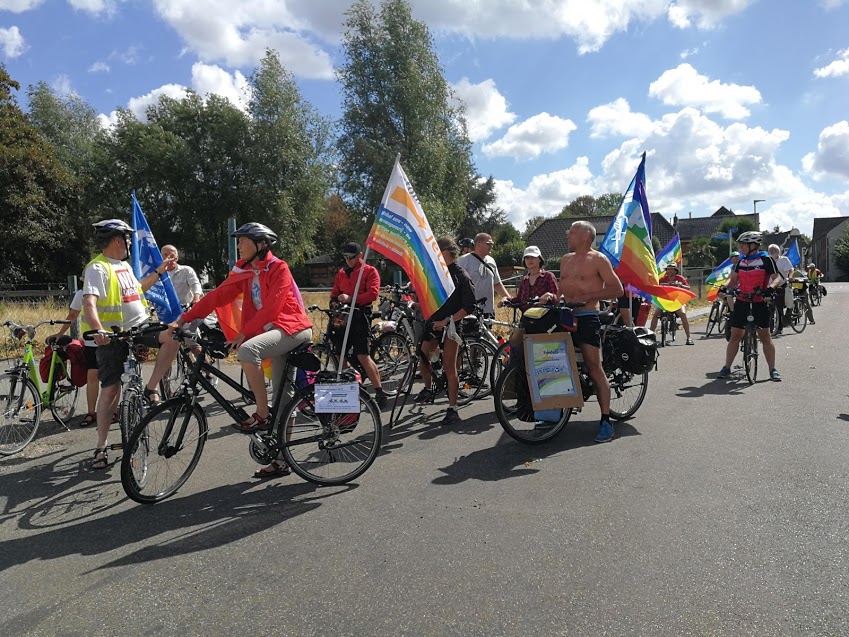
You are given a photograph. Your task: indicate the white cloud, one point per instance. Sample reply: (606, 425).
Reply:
(206, 79)
(129, 56)
(688, 53)
(96, 7)
(832, 155)
(684, 86)
(831, 4)
(486, 108)
(239, 33)
(12, 42)
(616, 118)
(539, 134)
(19, 6)
(99, 67)
(706, 14)
(838, 67)
(62, 85)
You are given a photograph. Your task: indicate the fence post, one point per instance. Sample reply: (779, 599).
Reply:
(73, 286)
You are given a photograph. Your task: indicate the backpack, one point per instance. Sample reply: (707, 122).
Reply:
(633, 350)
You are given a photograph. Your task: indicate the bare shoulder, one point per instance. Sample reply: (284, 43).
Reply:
(599, 258)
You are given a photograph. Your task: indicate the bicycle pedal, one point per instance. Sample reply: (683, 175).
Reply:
(116, 447)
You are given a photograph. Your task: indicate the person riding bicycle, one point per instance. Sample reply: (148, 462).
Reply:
(673, 278)
(754, 273)
(586, 276)
(461, 303)
(113, 297)
(466, 244)
(815, 278)
(342, 294)
(273, 323)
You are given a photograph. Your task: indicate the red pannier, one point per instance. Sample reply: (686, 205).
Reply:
(69, 349)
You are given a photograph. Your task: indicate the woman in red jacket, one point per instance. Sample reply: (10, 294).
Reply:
(273, 321)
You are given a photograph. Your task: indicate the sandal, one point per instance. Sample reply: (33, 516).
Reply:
(88, 421)
(253, 424)
(149, 394)
(99, 464)
(273, 470)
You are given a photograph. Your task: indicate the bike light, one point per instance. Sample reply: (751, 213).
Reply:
(125, 377)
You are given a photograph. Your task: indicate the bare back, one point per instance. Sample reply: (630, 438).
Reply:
(588, 277)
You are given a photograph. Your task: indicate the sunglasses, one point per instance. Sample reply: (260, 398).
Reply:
(490, 243)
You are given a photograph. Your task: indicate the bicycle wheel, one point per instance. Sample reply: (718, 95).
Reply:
(20, 413)
(392, 356)
(154, 466)
(174, 377)
(750, 355)
(330, 449)
(472, 371)
(673, 327)
(724, 317)
(63, 399)
(499, 363)
(326, 356)
(713, 318)
(485, 389)
(627, 392)
(664, 330)
(131, 412)
(507, 410)
(800, 316)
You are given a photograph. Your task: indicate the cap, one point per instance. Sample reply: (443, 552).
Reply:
(532, 251)
(351, 249)
(672, 264)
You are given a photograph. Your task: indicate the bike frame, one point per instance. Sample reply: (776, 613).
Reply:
(28, 360)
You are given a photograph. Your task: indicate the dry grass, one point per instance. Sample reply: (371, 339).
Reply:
(29, 313)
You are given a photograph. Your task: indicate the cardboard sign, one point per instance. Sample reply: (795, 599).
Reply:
(552, 369)
(343, 398)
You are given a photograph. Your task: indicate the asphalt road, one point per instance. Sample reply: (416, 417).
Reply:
(719, 510)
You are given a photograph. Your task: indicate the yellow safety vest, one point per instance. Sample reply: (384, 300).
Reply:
(108, 307)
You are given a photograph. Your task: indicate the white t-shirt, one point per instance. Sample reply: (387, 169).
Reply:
(784, 266)
(77, 301)
(484, 276)
(96, 282)
(186, 283)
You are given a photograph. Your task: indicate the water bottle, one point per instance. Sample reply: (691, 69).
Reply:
(436, 361)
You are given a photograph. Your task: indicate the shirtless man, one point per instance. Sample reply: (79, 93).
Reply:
(586, 276)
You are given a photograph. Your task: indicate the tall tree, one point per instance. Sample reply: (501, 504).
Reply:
(35, 189)
(589, 206)
(482, 215)
(700, 253)
(396, 100)
(532, 224)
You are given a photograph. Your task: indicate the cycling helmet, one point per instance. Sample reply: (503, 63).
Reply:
(110, 227)
(751, 237)
(466, 243)
(734, 254)
(256, 232)
(812, 265)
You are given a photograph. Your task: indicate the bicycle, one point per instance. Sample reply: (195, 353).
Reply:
(800, 309)
(816, 294)
(749, 343)
(720, 314)
(326, 449)
(628, 389)
(23, 395)
(668, 327)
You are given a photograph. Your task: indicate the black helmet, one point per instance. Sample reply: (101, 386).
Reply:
(466, 243)
(256, 232)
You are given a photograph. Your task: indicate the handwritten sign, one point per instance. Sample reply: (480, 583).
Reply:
(552, 371)
(337, 398)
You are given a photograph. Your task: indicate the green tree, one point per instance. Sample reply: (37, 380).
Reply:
(608, 203)
(721, 246)
(509, 245)
(532, 224)
(481, 213)
(395, 100)
(35, 190)
(841, 252)
(589, 206)
(700, 253)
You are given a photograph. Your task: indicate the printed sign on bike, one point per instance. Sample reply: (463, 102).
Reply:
(343, 398)
(552, 371)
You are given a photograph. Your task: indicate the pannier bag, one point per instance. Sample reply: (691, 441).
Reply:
(542, 320)
(632, 350)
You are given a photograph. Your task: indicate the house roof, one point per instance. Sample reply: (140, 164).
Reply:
(824, 225)
(691, 227)
(550, 235)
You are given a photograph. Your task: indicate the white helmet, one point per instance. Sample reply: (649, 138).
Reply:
(751, 237)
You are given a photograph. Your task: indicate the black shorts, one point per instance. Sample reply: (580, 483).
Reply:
(91, 357)
(357, 337)
(110, 362)
(636, 302)
(589, 330)
(740, 314)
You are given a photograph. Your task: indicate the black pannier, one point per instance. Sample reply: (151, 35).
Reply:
(632, 350)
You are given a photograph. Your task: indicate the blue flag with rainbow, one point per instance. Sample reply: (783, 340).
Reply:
(670, 254)
(401, 233)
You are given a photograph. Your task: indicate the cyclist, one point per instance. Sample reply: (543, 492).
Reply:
(537, 283)
(113, 297)
(673, 278)
(461, 303)
(784, 292)
(586, 276)
(483, 272)
(273, 323)
(814, 278)
(466, 245)
(342, 294)
(754, 272)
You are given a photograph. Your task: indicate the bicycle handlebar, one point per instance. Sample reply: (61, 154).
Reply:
(19, 331)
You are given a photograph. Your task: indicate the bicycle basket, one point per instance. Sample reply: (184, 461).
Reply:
(216, 340)
(632, 350)
(539, 320)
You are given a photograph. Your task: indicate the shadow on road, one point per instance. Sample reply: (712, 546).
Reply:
(843, 417)
(715, 387)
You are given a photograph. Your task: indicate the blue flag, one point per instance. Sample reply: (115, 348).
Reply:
(144, 259)
(793, 254)
(635, 197)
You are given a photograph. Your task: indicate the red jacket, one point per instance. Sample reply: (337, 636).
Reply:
(345, 282)
(279, 309)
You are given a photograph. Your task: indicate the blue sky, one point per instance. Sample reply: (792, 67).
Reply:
(734, 100)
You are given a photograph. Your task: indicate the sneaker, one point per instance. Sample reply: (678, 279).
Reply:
(689, 341)
(425, 396)
(451, 418)
(605, 431)
(775, 376)
(542, 425)
(725, 372)
(381, 398)
(812, 321)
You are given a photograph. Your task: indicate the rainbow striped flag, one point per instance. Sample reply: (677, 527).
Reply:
(402, 234)
(718, 277)
(670, 254)
(627, 244)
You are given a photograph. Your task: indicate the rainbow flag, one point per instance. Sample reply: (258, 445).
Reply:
(718, 277)
(670, 254)
(627, 244)
(402, 234)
